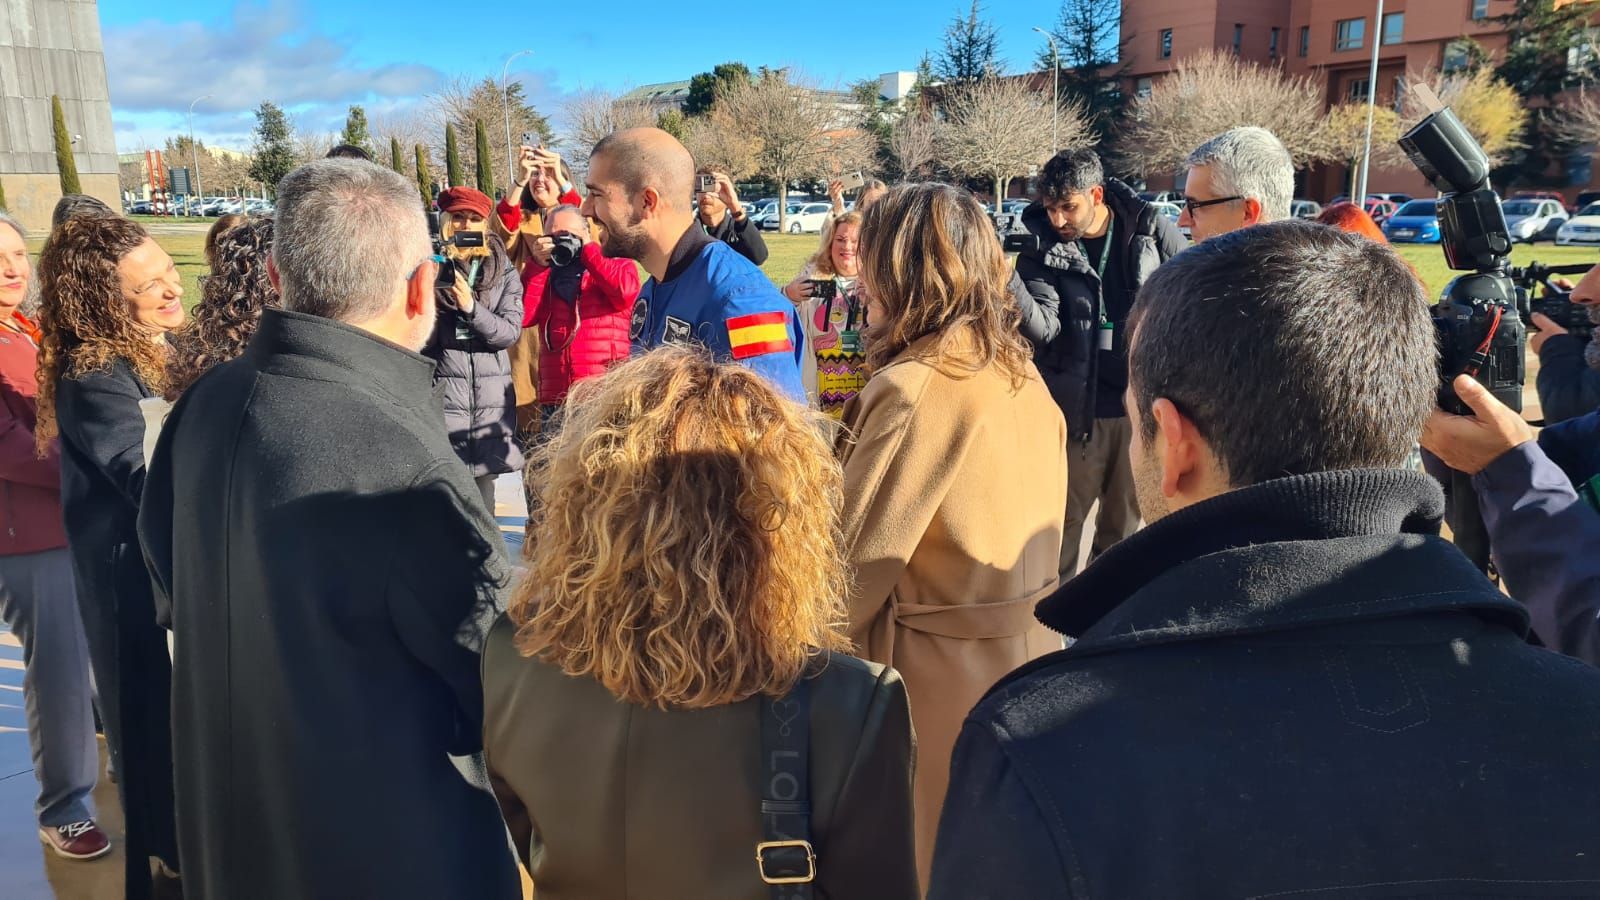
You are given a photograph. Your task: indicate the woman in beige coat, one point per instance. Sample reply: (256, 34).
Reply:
(956, 476)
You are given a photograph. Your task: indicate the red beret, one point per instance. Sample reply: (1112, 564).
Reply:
(457, 199)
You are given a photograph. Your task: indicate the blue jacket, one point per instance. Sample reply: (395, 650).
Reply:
(1546, 544)
(717, 298)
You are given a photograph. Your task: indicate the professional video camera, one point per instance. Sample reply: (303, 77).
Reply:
(464, 238)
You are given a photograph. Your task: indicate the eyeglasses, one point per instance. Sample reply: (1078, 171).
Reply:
(436, 259)
(1192, 204)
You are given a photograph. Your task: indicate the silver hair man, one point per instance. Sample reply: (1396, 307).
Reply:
(1239, 178)
(349, 237)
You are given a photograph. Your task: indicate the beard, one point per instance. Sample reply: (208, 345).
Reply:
(624, 242)
(1072, 231)
(1147, 485)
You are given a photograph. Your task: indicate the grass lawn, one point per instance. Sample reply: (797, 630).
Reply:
(789, 252)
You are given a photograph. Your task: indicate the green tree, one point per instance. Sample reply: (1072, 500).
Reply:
(672, 122)
(1088, 41)
(2, 196)
(65, 164)
(452, 157)
(925, 77)
(971, 48)
(355, 131)
(424, 180)
(274, 146)
(486, 165)
(876, 120)
(707, 86)
(1541, 36)
(396, 161)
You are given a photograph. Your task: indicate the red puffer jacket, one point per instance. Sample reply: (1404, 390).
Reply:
(30, 487)
(581, 345)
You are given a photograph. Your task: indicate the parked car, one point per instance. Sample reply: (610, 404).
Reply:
(1161, 196)
(1009, 219)
(810, 218)
(1305, 209)
(142, 208)
(1172, 211)
(1585, 198)
(1582, 229)
(1415, 223)
(1540, 195)
(259, 207)
(1534, 220)
(1381, 210)
(768, 220)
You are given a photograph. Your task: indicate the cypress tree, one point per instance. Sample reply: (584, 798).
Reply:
(452, 156)
(2, 196)
(424, 180)
(65, 164)
(485, 159)
(398, 162)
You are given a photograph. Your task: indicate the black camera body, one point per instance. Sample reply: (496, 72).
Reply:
(447, 269)
(564, 250)
(1478, 321)
(823, 288)
(1556, 302)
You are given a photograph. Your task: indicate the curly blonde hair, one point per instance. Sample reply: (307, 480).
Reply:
(231, 301)
(821, 262)
(685, 546)
(931, 264)
(86, 322)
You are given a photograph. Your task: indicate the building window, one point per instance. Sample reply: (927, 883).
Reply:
(1166, 44)
(1357, 92)
(1238, 38)
(1455, 57)
(1394, 28)
(1349, 34)
(1141, 88)
(1480, 10)
(1305, 40)
(1272, 45)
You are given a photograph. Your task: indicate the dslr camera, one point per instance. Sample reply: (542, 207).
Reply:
(1555, 302)
(1478, 320)
(565, 250)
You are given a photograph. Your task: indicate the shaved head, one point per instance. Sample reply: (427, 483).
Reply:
(637, 158)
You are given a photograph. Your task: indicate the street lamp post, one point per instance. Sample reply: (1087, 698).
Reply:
(194, 153)
(1055, 90)
(1372, 103)
(505, 95)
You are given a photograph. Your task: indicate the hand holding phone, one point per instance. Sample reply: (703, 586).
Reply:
(853, 181)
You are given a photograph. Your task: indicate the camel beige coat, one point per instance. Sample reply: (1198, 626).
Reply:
(955, 488)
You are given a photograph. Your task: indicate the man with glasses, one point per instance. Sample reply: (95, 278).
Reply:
(1093, 243)
(1239, 178)
(329, 570)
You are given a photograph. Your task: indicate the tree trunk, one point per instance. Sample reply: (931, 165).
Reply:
(997, 188)
(783, 204)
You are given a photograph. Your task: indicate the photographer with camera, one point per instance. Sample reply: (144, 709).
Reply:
(1569, 366)
(579, 302)
(479, 298)
(722, 216)
(1090, 244)
(827, 296)
(1546, 538)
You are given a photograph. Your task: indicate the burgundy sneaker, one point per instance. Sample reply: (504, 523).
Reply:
(80, 840)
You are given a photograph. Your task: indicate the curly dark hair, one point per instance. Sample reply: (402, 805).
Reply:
(85, 319)
(231, 301)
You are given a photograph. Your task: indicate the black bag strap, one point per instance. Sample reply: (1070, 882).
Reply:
(785, 857)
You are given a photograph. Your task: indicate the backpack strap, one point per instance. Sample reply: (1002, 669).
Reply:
(785, 857)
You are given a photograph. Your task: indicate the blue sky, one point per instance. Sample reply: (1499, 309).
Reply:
(316, 59)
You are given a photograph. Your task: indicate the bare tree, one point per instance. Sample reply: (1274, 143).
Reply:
(799, 131)
(465, 102)
(1580, 120)
(312, 145)
(1211, 92)
(593, 114)
(1000, 128)
(1491, 110)
(717, 141)
(411, 127)
(1344, 134)
(130, 176)
(914, 142)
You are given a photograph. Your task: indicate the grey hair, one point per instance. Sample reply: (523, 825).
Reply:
(1250, 162)
(560, 208)
(348, 232)
(30, 303)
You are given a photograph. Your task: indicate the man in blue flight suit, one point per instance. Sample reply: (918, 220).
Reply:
(641, 185)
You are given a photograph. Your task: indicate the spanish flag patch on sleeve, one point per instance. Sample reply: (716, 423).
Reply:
(759, 334)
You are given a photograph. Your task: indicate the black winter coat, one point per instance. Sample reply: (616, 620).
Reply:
(1568, 387)
(329, 573)
(1293, 690)
(1062, 319)
(743, 236)
(102, 483)
(474, 368)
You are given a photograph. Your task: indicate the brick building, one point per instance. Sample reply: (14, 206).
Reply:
(1331, 42)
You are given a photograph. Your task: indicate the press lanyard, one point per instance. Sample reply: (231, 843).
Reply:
(1105, 326)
